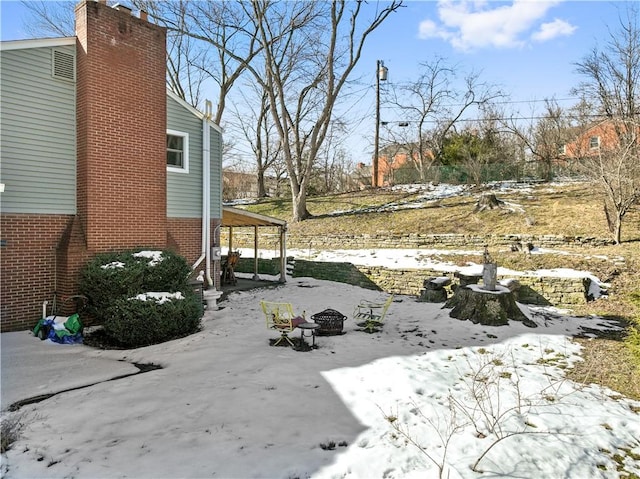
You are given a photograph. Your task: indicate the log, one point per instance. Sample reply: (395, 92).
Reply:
(490, 308)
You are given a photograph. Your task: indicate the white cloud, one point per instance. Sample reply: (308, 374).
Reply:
(551, 30)
(470, 25)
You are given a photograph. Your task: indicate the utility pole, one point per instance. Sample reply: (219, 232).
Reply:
(381, 75)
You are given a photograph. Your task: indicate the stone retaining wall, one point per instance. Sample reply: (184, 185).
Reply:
(536, 290)
(410, 241)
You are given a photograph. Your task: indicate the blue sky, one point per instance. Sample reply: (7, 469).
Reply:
(526, 47)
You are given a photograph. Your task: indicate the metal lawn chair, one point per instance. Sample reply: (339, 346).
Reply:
(370, 314)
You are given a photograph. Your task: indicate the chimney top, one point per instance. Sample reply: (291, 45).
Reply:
(122, 8)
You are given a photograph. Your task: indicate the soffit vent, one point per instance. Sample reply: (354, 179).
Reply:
(63, 65)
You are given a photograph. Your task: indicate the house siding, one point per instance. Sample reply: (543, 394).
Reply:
(38, 134)
(184, 191)
(216, 173)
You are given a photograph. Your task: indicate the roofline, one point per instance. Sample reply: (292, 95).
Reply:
(37, 43)
(271, 221)
(192, 109)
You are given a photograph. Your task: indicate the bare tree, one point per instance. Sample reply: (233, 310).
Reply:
(544, 136)
(309, 50)
(55, 18)
(612, 82)
(252, 118)
(433, 105)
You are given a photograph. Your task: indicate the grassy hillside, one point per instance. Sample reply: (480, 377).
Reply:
(569, 209)
(573, 209)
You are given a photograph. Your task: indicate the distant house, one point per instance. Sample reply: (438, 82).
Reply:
(598, 138)
(98, 156)
(395, 157)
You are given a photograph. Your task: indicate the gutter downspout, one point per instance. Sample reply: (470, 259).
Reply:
(206, 188)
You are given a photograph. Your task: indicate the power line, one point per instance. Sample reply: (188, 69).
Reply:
(516, 118)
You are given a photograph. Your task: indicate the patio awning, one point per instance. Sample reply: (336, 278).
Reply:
(237, 218)
(240, 218)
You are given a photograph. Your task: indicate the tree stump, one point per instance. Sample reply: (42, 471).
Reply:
(434, 291)
(490, 308)
(488, 201)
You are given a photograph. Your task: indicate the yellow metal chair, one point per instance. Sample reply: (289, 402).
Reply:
(280, 317)
(371, 314)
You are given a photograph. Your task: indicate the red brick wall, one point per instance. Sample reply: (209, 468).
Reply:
(185, 238)
(28, 260)
(121, 128)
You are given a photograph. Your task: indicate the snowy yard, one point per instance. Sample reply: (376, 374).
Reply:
(427, 394)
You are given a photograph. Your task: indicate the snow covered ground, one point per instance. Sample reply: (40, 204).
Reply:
(426, 394)
(426, 397)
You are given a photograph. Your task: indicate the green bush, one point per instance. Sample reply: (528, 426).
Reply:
(135, 322)
(124, 274)
(171, 274)
(111, 280)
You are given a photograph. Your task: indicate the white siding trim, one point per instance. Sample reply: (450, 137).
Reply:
(37, 43)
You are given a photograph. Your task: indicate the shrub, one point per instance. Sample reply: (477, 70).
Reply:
(137, 322)
(171, 274)
(110, 276)
(112, 281)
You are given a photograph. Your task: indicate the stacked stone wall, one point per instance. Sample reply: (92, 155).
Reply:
(411, 241)
(537, 290)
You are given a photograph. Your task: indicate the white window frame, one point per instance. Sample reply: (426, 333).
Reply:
(592, 147)
(185, 153)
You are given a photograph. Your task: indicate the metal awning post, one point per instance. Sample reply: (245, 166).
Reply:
(255, 253)
(283, 255)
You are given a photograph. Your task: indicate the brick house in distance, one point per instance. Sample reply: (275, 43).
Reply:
(395, 157)
(98, 156)
(599, 138)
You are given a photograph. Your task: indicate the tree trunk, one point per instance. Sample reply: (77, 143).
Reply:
(618, 230)
(299, 202)
(490, 308)
(262, 191)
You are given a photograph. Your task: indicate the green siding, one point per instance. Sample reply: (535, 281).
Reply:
(37, 134)
(184, 190)
(216, 173)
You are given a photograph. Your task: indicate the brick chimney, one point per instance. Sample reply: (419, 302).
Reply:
(121, 128)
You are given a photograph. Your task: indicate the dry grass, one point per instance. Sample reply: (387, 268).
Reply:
(606, 362)
(571, 210)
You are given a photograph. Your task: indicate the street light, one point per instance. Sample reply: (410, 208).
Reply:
(381, 75)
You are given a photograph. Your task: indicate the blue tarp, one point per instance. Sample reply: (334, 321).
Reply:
(69, 332)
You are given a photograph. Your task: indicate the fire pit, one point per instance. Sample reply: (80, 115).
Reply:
(330, 321)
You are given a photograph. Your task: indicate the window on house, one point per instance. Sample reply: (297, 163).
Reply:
(177, 151)
(562, 150)
(594, 142)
